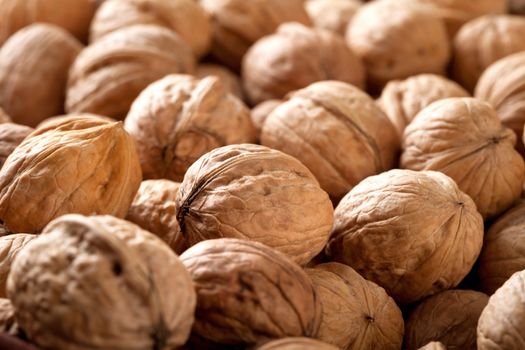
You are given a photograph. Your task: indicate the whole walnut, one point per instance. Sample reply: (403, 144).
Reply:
(295, 57)
(248, 292)
(516, 6)
(11, 135)
(260, 113)
(464, 138)
(412, 232)
(109, 74)
(502, 321)
(34, 66)
(83, 165)
(186, 17)
(296, 343)
(177, 119)
(4, 118)
(450, 317)
(402, 100)
(482, 42)
(237, 24)
(231, 81)
(337, 131)
(255, 193)
(100, 282)
(357, 314)
(10, 246)
(332, 15)
(434, 345)
(154, 210)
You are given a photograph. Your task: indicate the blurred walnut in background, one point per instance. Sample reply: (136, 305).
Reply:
(11, 135)
(230, 80)
(332, 15)
(516, 6)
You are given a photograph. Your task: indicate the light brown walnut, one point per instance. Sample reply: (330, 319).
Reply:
(10, 246)
(11, 135)
(231, 81)
(332, 15)
(297, 343)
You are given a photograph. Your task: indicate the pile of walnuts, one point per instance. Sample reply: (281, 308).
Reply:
(262, 174)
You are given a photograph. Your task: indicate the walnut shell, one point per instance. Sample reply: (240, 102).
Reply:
(413, 233)
(154, 210)
(482, 42)
(248, 292)
(357, 314)
(10, 246)
(109, 74)
(450, 317)
(295, 57)
(402, 100)
(332, 15)
(185, 17)
(502, 321)
(34, 65)
(357, 139)
(231, 81)
(83, 165)
(261, 112)
(435, 345)
(256, 193)
(11, 135)
(7, 316)
(464, 138)
(177, 119)
(296, 343)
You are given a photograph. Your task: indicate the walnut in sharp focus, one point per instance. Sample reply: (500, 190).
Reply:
(296, 343)
(413, 233)
(231, 81)
(11, 135)
(464, 138)
(248, 292)
(10, 246)
(177, 119)
(144, 297)
(333, 15)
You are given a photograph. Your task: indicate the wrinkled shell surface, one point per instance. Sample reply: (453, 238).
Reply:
(231, 81)
(248, 292)
(389, 231)
(435, 345)
(11, 135)
(144, 297)
(337, 131)
(464, 138)
(10, 246)
(332, 15)
(296, 344)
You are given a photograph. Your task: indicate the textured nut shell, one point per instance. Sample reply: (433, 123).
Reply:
(337, 131)
(185, 17)
(435, 345)
(413, 233)
(357, 314)
(84, 165)
(501, 323)
(176, 120)
(450, 317)
(154, 210)
(34, 65)
(261, 112)
(464, 138)
(297, 343)
(7, 316)
(248, 292)
(10, 246)
(332, 15)
(402, 100)
(11, 135)
(295, 57)
(109, 74)
(231, 81)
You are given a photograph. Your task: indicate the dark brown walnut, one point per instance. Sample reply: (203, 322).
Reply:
(11, 135)
(516, 6)
(502, 321)
(413, 233)
(34, 65)
(231, 81)
(260, 113)
(83, 165)
(295, 57)
(7, 317)
(337, 131)
(154, 209)
(297, 343)
(255, 193)
(4, 118)
(186, 17)
(357, 314)
(10, 246)
(435, 345)
(332, 15)
(248, 292)
(402, 100)
(237, 24)
(450, 317)
(177, 119)
(110, 73)
(464, 138)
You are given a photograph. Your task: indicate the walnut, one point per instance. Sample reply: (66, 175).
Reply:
(109, 74)
(237, 24)
(231, 81)
(464, 138)
(176, 120)
(296, 343)
(10, 246)
(413, 233)
(248, 292)
(516, 6)
(4, 118)
(482, 42)
(11, 135)
(357, 314)
(256, 193)
(295, 57)
(83, 165)
(34, 65)
(337, 131)
(402, 100)
(7, 316)
(185, 17)
(144, 297)
(332, 15)
(435, 345)
(260, 113)
(450, 317)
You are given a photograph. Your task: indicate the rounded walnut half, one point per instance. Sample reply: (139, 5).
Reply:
(413, 233)
(11, 135)
(464, 138)
(296, 343)
(10, 246)
(332, 15)
(231, 81)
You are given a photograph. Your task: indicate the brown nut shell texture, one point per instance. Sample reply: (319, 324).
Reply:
(10, 246)
(248, 292)
(332, 15)
(297, 343)
(413, 233)
(11, 135)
